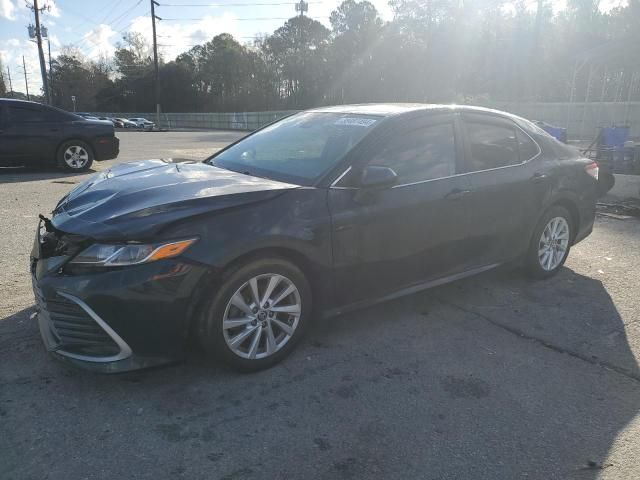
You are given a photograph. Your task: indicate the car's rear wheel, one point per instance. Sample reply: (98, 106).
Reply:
(258, 314)
(75, 156)
(550, 243)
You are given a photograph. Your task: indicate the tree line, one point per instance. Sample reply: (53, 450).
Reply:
(438, 51)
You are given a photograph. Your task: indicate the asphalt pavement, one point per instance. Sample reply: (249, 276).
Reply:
(492, 377)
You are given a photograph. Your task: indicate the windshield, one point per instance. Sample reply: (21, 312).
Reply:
(298, 149)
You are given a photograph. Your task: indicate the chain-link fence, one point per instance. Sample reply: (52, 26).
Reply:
(212, 121)
(582, 120)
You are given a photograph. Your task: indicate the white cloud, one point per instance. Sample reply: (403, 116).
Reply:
(7, 9)
(12, 57)
(55, 41)
(175, 38)
(99, 41)
(54, 10)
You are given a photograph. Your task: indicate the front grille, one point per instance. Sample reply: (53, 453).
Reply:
(73, 328)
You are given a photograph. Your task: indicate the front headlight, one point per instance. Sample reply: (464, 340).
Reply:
(103, 255)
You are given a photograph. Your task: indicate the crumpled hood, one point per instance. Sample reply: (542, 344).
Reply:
(138, 197)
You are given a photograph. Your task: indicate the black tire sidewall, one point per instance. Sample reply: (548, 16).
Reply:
(69, 143)
(534, 268)
(210, 330)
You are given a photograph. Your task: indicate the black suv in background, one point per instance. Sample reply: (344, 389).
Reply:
(36, 134)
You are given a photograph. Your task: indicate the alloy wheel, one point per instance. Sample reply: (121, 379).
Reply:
(76, 157)
(553, 243)
(262, 316)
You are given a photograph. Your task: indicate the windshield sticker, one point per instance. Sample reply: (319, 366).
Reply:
(356, 121)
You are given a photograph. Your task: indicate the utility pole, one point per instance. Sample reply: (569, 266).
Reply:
(10, 84)
(38, 35)
(155, 59)
(50, 72)
(26, 83)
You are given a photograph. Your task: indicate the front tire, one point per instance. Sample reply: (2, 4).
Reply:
(74, 156)
(258, 315)
(550, 243)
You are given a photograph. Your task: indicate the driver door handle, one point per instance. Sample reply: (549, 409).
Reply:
(457, 194)
(539, 177)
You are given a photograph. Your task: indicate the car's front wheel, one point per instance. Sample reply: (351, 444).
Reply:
(550, 243)
(75, 156)
(258, 314)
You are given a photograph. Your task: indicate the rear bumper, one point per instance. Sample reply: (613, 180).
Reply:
(584, 231)
(119, 320)
(587, 216)
(106, 148)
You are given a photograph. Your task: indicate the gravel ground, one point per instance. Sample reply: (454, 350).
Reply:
(492, 377)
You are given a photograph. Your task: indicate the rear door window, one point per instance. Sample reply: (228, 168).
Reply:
(27, 114)
(37, 114)
(492, 145)
(425, 153)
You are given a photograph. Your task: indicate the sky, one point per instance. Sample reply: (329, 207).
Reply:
(96, 26)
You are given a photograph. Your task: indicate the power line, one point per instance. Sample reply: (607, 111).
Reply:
(112, 8)
(230, 4)
(238, 19)
(111, 23)
(175, 37)
(124, 14)
(99, 54)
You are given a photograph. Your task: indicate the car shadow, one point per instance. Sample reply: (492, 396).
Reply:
(490, 377)
(34, 174)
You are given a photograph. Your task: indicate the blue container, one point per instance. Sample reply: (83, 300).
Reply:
(557, 132)
(614, 136)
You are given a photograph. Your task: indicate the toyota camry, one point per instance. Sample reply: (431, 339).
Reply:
(316, 214)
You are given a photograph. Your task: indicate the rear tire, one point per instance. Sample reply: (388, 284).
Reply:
(74, 156)
(550, 243)
(249, 334)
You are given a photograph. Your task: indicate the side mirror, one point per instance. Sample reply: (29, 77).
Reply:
(377, 177)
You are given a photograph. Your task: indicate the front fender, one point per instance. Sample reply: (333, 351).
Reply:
(297, 220)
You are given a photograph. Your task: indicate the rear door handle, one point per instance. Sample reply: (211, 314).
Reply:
(538, 177)
(457, 194)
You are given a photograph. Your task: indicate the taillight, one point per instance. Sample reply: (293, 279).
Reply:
(592, 169)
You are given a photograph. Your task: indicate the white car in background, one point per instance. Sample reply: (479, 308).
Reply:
(143, 123)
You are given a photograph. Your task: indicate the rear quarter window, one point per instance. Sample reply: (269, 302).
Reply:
(526, 146)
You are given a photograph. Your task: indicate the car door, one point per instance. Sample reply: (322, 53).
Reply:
(388, 239)
(503, 186)
(33, 132)
(6, 144)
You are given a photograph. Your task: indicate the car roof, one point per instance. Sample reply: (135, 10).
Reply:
(16, 100)
(397, 109)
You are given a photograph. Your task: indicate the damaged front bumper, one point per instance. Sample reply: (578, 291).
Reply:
(113, 320)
